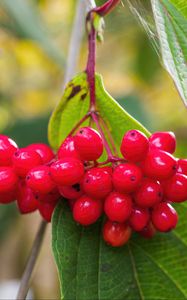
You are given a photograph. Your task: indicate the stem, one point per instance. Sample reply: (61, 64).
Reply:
(109, 136)
(107, 7)
(79, 123)
(24, 285)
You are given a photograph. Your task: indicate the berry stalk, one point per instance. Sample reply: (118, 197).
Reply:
(107, 7)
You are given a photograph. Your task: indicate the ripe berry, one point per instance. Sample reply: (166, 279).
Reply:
(149, 193)
(51, 197)
(134, 146)
(26, 199)
(67, 171)
(39, 180)
(126, 178)
(67, 149)
(118, 207)
(7, 149)
(182, 166)
(71, 192)
(164, 217)
(149, 231)
(24, 160)
(9, 197)
(46, 210)
(86, 210)
(116, 234)
(88, 143)
(8, 179)
(97, 183)
(175, 188)
(165, 141)
(71, 203)
(43, 150)
(108, 169)
(159, 165)
(139, 218)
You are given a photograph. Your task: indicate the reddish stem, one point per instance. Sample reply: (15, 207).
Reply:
(107, 7)
(109, 136)
(79, 123)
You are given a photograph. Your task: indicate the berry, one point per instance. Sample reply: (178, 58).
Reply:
(8, 179)
(118, 207)
(182, 166)
(46, 210)
(9, 197)
(149, 193)
(7, 149)
(165, 141)
(134, 146)
(149, 231)
(159, 165)
(126, 178)
(43, 150)
(88, 143)
(67, 149)
(97, 183)
(51, 197)
(164, 217)
(39, 180)
(67, 171)
(175, 188)
(139, 218)
(71, 192)
(86, 210)
(116, 234)
(26, 199)
(108, 169)
(71, 203)
(24, 160)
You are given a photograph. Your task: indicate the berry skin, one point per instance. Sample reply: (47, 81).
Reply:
(67, 171)
(134, 146)
(182, 166)
(116, 234)
(86, 210)
(6, 198)
(159, 165)
(175, 188)
(88, 143)
(39, 180)
(67, 149)
(26, 199)
(8, 179)
(108, 169)
(43, 150)
(165, 141)
(24, 160)
(149, 193)
(148, 232)
(126, 178)
(97, 183)
(164, 217)
(139, 218)
(7, 149)
(46, 210)
(71, 192)
(51, 197)
(118, 207)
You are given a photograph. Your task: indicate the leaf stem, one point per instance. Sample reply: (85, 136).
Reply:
(107, 7)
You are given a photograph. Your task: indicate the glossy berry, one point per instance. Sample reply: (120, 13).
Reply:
(88, 143)
(8, 179)
(148, 232)
(159, 165)
(182, 166)
(86, 210)
(97, 183)
(26, 199)
(175, 188)
(118, 207)
(108, 169)
(139, 218)
(71, 192)
(7, 197)
(134, 146)
(126, 178)
(46, 210)
(24, 160)
(67, 149)
(51, 197)
(7, 149)
(165, 141)
(149, 193)
(67, 171)
(164, 217)
(39, 180)
(116, 234)
(43, 150)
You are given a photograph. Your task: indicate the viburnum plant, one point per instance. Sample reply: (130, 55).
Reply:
(105, 177)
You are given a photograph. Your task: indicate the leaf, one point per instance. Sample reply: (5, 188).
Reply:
(181, 5)
(172, 32)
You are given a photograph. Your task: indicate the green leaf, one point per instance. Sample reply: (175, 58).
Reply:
(172, 32)
(181, 5)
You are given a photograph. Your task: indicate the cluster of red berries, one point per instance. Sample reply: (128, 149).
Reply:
(135, 192)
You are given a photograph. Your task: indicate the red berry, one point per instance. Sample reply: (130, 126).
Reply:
(26, 199)
(182, 166)
(8, 179)
(149, 193)
(88, 143)
(24, 160)
(71, 192)
(175, 188)
(126, 178)
(108, 169)
(9, 197)
(67, 149)
(116, 234)
(139, 218)
(86, 210)
(46, 210)
(71, 203)
(43, 150)
(39, 180)
(7, 149)
(149, 231)
(97, 183)
(67, 171)
(51, 197)
(164, 217)
(134, 146)
(118, 207)
(159, 165)
(165, 141)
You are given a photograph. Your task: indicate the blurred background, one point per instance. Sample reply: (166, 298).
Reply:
(34, 38)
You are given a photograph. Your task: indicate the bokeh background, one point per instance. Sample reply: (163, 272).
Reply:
(34, 38)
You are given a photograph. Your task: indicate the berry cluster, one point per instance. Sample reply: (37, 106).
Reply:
(135, 192)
